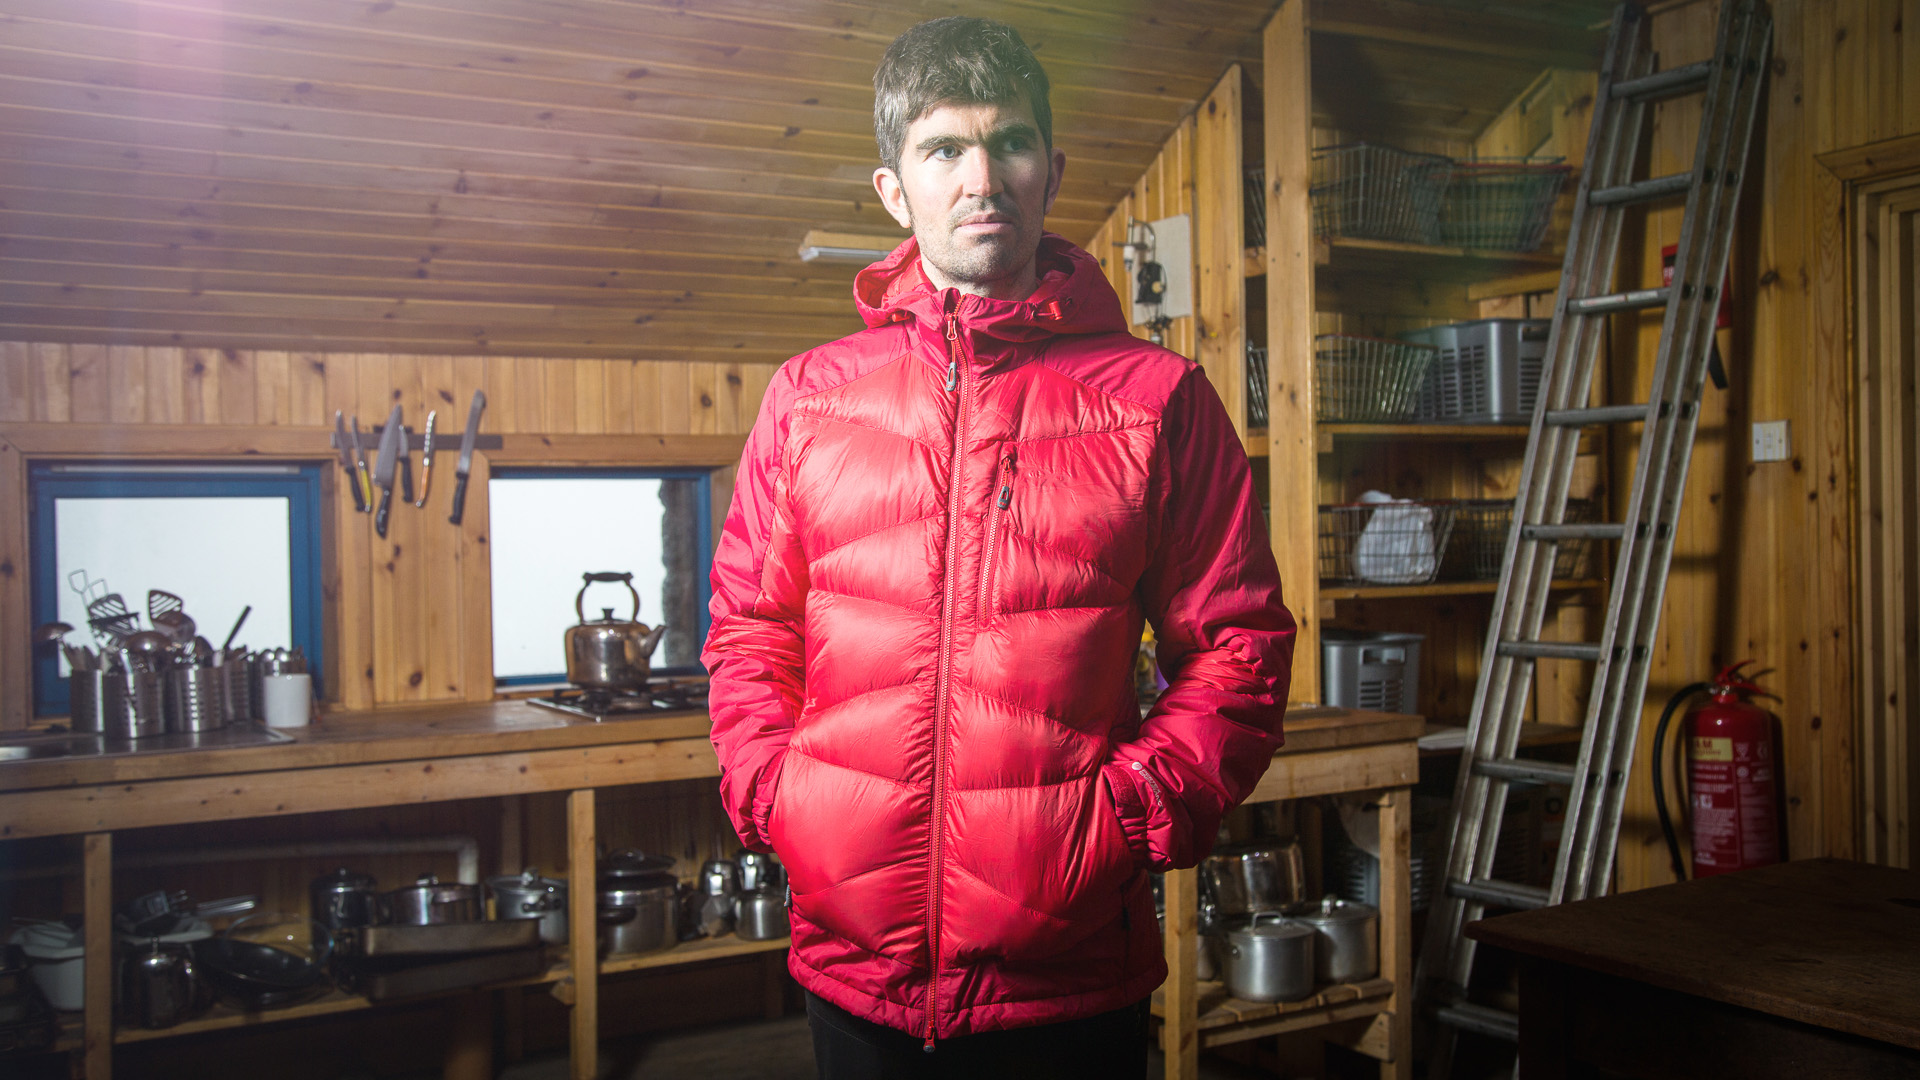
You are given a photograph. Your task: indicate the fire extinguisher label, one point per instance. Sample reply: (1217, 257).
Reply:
(1711, 749)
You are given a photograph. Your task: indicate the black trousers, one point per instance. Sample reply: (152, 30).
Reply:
(1110, 1046)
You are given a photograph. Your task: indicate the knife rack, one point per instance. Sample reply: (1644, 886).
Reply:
(443, 441)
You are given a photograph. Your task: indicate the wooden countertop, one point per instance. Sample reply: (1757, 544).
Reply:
(396, 756)
(1823, 941)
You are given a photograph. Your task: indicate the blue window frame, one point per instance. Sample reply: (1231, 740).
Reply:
(299, 485)
(527, 630)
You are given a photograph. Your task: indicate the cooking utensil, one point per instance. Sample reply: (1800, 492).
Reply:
(1256, 877)
(237, 624)
(719, 887)
(383, 470)
(160, 601)
(1347, 947)
(86, 588)
(635, 916)
(360, 468)
(161, 985)
(50, 631)
(1270, 959)
(610, 653)
(111, 620)
(346, 462)
(344, 899)
(759, 871)
(528, 896)
(762, 915)
(289, 965)
(429, 901)
(439, 939)
(426, 462)
(464, 465)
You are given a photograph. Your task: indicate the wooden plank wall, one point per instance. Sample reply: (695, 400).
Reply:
(1165, 189)
(1763, 559)
(402, 632)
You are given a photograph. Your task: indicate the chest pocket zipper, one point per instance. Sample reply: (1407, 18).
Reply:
(996, 518)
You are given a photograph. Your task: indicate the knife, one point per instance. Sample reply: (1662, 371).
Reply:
(426, 463)
(406, 467)
(346, 459)
(360, 468)
(383, 468)
(465, 465)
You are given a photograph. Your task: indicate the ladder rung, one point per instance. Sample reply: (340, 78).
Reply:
(1599, 531)
(1621, 301)
(1604, 414)
(1481, 1021)
(1659, 187)
(1681, 80)
(1503, 893)
(1526, 771)
(1549, 650)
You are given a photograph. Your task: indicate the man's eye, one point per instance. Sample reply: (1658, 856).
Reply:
(946, 153)
(1014, 144)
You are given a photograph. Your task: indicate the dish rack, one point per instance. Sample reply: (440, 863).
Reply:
(1256, 385)
(1384, 543)
(1367, 380)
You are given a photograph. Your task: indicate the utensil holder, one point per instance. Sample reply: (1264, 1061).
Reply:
(87, 700)
(135, 705)
(194, 699)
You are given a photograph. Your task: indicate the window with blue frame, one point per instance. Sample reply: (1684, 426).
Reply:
(547, 527)
(222, 538)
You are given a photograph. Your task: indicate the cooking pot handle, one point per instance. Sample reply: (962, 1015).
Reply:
(617, 916)
(606, 575)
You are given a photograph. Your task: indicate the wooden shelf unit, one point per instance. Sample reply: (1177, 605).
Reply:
(1226, 1019)
(1525, 271)
(1438, 588)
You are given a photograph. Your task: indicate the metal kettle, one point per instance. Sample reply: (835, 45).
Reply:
(161, 985)
(610, 653)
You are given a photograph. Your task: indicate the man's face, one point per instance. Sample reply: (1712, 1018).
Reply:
(974, 184)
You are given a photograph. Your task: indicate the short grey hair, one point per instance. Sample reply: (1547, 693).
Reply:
(955, 59)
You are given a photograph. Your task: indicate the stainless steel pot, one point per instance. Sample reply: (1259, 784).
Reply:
(429, 901)
(344, 899)
(762, 915)
(160, 985)
(1347, 946)
(610, 653)
(636, 916)
(527, 895)
(1270, 960)
(1256, 878)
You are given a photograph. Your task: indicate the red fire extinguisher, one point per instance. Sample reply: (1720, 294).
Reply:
(1733, 777)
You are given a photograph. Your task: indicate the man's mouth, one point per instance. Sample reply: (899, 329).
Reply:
(985, 223)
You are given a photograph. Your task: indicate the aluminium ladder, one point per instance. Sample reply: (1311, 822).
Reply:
(1731, 82)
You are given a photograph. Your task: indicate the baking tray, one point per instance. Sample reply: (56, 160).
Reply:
(412, 980)
(441, 939)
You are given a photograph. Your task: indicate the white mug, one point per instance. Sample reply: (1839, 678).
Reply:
(289, 699)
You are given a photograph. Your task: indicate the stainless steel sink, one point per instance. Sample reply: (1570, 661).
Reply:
(35, 747)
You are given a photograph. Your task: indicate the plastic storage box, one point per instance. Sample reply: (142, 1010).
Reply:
(1375, 670)
(1484, 372)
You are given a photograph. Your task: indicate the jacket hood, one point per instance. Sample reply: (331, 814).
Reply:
(1074, 296)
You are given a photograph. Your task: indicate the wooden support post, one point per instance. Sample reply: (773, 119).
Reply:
(469, 1037)
(1180, 1030)
(1292, 450)
(582, 935)
(1396, 928)
(96, 906)
(1219, 247)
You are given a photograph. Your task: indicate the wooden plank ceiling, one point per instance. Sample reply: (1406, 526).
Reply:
(611, 178)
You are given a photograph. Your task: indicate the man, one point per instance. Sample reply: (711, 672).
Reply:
(946, 533)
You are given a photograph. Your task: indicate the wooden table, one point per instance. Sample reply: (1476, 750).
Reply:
(1327, 752)
(1801, 969)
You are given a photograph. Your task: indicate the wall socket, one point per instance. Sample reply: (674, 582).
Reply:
(1770, 442)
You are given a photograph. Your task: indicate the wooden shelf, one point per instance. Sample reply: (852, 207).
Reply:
(1226, 1019)
(1438, 588)
(1509, 272)
(224, 1016)
(1444, 432)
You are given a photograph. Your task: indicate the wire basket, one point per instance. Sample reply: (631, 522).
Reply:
(1368, 380)
(1256, 385)
(1501, 204)
(1388, 543)
(1479, 546)
(1254, 205)
(1378, 193)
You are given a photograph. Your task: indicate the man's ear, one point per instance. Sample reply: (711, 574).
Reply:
(894, 197)
(1056, 169)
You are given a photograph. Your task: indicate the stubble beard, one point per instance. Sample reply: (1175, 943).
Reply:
(975, 262)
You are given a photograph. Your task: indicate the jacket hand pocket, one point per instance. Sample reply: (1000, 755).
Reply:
(765, 799)
(1125, 783)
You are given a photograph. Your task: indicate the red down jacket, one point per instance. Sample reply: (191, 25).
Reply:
(946, 531)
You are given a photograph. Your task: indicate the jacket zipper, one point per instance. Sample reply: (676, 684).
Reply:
(943, 679)
(988, 558)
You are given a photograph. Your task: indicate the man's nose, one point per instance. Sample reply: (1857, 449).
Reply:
(979, 175)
